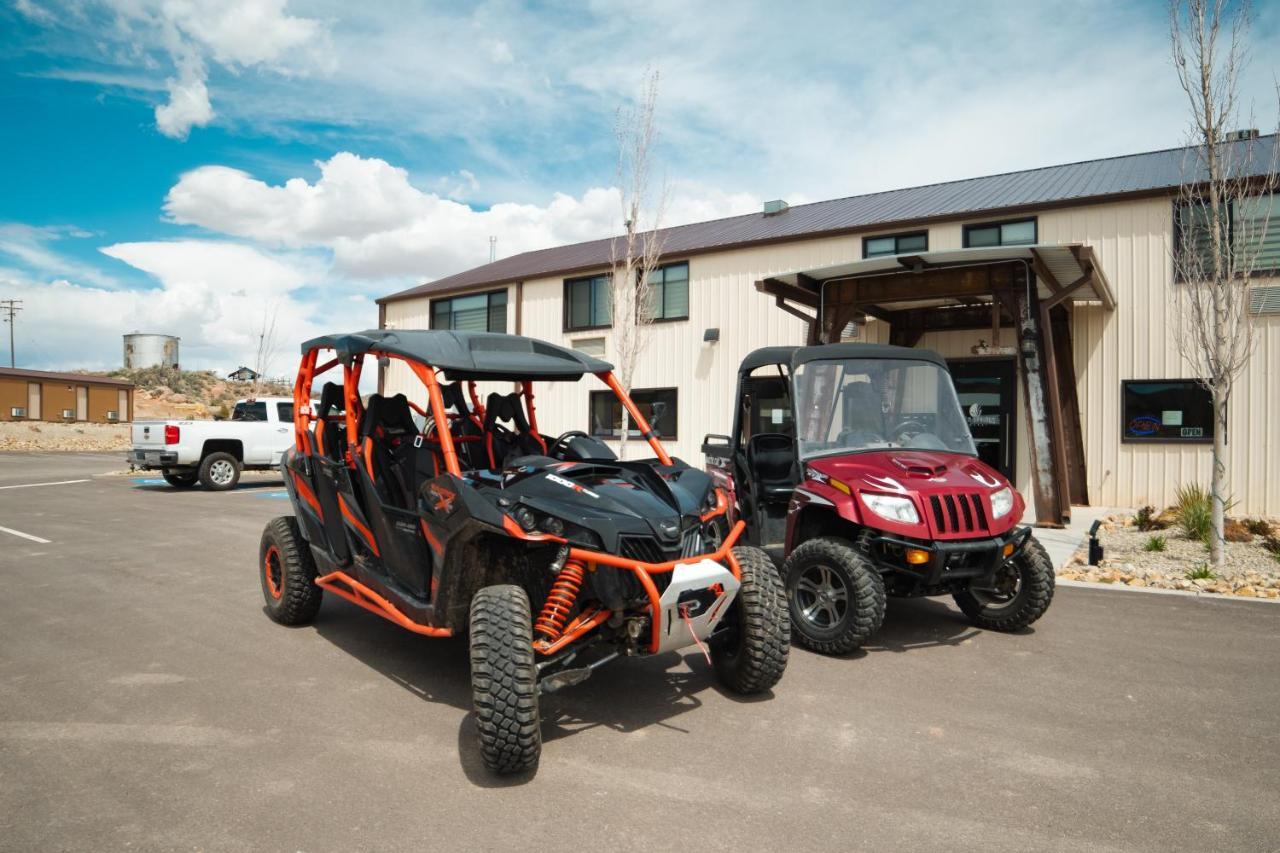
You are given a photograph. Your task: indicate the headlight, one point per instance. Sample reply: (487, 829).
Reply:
(892, 508)
(1001, 502)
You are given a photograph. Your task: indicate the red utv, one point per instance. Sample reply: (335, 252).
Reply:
(448, 516)
(857, 460)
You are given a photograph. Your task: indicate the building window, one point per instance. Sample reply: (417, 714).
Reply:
(895, 244)
(669, 292)
(593, 347)
(1166, 410)
(587, 303)
(1252, 238)
(480, 312)
(1018, 232)
(658, 405)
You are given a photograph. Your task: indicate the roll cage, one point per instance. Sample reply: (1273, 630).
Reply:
(445, 432)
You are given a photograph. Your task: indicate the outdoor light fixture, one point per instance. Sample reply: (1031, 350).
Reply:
(711, 336)
(1095, 547)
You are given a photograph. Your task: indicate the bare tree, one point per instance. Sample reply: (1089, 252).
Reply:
(267, 345)
(1224, 211)
(634, 255)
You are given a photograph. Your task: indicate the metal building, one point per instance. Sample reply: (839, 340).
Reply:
(149, 350)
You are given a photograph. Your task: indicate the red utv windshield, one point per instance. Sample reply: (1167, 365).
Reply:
(849, 405)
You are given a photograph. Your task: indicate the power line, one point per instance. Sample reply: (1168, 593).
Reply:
(11, 307)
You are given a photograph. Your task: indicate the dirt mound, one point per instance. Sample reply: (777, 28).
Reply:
(163, 392)
(57, 436)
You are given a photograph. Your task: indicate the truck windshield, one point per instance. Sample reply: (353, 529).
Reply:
(848, 405)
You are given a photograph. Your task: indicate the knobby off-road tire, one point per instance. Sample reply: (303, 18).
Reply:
(219, 471)
(504, 679)
(1034, 592)
(180, 479)
(287, 572)
(854, 610)
(754, 656)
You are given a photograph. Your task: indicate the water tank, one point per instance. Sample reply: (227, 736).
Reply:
(145, 350)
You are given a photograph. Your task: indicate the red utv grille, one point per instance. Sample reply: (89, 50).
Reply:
(960, 513)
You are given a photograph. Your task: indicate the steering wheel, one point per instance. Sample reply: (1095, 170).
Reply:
(564, 437)
(906, 429)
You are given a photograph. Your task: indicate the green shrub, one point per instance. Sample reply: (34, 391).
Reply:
(1201, 572)
(1155, 543)
(1194, 507)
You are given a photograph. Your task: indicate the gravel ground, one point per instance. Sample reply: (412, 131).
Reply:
(55, 436)
(1250, 570)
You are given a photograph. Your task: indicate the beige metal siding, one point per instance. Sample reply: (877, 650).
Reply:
(1132, 240)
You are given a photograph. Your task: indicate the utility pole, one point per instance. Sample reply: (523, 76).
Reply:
(10, 307)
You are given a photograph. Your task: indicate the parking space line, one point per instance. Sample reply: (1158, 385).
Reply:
(24, 535)
(33, 485)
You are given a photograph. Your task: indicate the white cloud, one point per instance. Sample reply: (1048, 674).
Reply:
(32, 247)
(188, 105)
(241, 32)
(378, 225)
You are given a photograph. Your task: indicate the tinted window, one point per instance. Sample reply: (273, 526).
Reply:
(587, 304)
(1021, 232)
(658, 405)
(669, 292)
(1167, 410)
(284, 411)
(895, 244)
(480, 312)
(249, 412)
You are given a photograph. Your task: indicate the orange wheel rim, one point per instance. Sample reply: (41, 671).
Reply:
(273, 572)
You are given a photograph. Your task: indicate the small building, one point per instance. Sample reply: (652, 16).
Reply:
(39, 395)
(1050, 291)
(244, 374)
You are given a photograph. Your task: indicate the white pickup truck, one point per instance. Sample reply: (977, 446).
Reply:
(215, 452)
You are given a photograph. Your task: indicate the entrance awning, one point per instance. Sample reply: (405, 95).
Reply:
(1029, 288)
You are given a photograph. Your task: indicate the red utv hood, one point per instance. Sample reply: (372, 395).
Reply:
(951, 490)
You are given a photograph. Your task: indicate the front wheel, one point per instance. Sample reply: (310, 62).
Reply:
(1017, 595)
(180, 479)
(504, 679)
(288, 573)
(754, 654)
(219, 471)
(835, 595)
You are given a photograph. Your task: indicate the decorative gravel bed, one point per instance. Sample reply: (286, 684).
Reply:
(1250, 571)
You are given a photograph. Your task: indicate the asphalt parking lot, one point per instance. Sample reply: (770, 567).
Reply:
(147, 702)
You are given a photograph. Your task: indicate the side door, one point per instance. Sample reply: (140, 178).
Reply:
(280, 437)
(254, 429)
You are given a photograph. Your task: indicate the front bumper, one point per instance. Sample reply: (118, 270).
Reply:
(955, 560)
(153, 459)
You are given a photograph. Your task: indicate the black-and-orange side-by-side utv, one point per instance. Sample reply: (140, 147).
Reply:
(449, 516)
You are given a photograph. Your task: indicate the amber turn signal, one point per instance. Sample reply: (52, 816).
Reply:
(1008, 548)
(917, 557)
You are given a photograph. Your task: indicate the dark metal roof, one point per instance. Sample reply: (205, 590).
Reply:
(468, 355)
(1133, 174)
(50, 376)
(826, 352)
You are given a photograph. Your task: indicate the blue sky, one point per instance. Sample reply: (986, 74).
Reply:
(195, 166)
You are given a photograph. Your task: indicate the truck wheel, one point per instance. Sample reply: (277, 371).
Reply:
(835, 595)
(180, 479)
(753, 656)
(219, 471)
(504, 679)
(288, 573)
(1018, 595)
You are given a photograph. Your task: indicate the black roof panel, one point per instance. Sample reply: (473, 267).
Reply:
(824, 352)
(468, 355)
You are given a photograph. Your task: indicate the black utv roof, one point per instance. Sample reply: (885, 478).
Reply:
(468, 355)
(795, 356)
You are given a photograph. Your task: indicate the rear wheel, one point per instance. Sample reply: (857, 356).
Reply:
(836, 597)
(180, 479)
(504, 679)
(219, 471)
(753, 656)
(1018, 595)
(288, 573)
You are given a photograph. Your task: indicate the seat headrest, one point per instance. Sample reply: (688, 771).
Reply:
(390, 413)
(454, 398)
(506, 407)
(331, 400)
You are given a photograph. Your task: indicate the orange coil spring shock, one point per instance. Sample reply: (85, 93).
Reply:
(560, 601)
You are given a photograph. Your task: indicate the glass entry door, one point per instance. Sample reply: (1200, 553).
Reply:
(988, 393)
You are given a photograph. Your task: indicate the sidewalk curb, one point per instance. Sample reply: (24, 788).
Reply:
(1202, 596)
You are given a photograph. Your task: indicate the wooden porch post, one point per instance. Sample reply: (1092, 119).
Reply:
(1048, 504)
(1072, 429)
